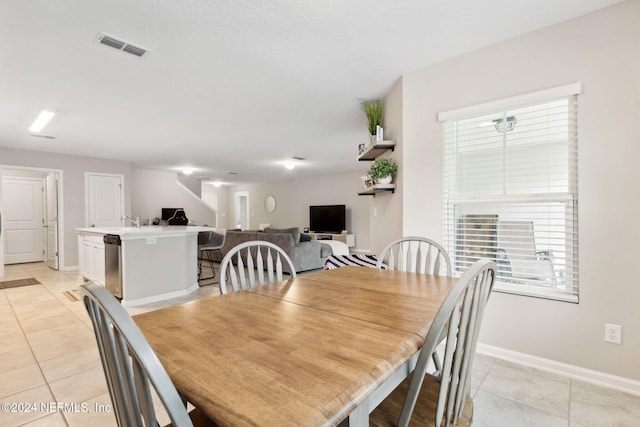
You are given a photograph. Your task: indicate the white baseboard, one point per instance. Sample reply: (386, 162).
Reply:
(157, 298)
(576, 372)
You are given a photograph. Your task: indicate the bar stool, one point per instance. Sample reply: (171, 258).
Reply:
(208, 243)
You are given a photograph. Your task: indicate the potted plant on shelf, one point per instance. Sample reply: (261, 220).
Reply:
(382, 170)
(373, 111)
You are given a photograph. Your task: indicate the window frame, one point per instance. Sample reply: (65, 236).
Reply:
(453, 203)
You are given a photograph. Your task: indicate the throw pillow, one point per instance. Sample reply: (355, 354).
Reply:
(305, 238)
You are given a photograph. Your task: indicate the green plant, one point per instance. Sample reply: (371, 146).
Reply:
(373, 111)
(381, 168)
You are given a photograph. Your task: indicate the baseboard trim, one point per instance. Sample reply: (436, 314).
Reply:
(576, 372)
(158, 298)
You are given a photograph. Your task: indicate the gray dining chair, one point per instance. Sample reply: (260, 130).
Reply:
(252, 264)
(131, 367)
(416, 254)
(420, 255)
(209, 242)
(425, 399)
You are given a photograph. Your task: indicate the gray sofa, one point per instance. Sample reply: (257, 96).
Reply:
(306, 255)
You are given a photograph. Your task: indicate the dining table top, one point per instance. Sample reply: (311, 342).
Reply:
(304, 351)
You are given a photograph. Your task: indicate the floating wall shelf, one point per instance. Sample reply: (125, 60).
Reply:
(375, 149)
(377, 188)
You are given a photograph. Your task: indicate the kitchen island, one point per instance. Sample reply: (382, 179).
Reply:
(156, 262)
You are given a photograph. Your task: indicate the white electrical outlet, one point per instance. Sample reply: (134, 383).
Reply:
(612, 333)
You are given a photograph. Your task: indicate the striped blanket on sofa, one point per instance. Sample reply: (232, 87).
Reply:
(361, 260)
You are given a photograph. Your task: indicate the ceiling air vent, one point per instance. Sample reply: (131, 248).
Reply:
(121, 45)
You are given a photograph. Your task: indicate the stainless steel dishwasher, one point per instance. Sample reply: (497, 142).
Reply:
(113, 264)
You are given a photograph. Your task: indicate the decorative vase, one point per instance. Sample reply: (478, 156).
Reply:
(379, 133)
(385, 180)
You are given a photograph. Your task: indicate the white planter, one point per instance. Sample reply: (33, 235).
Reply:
(385, 180)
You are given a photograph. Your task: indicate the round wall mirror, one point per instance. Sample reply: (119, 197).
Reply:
(270, 204)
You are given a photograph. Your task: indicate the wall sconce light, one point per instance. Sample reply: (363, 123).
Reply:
(505, 125)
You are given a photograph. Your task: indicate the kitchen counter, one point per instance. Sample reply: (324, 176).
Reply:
(127, 233)
(156, 263)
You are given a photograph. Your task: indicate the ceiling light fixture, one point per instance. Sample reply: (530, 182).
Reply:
(505, 125)
(217, 184)
(187, 171)
(289, 165)
(502, 125)
(41, 121)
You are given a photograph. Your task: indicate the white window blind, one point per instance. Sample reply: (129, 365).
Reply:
(510, 194)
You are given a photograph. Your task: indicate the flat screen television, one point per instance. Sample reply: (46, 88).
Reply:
(327, 218)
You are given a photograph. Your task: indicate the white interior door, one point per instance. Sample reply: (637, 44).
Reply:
(52, 221)
(242, 209)
(23, 220)
(105, 200)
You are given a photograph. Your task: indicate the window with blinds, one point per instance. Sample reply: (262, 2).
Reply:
(510, 191)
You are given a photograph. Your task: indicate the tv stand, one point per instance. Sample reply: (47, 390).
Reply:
(349, 239)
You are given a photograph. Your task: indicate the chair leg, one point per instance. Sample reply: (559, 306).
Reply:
(437, 363)
(210, 259)
(206, 256)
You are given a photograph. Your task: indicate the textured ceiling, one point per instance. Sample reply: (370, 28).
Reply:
(235, 85)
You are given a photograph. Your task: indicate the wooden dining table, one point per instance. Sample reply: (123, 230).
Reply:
(312, 350)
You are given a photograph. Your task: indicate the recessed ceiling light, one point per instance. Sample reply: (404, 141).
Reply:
(187, 171)
(41, 121)
(217, 184)
(289, 165)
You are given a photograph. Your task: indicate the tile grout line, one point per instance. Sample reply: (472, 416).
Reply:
(569, 408)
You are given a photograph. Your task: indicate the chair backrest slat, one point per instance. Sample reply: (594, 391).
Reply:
(130, 366)
(250, 270)
(260, 267)
(269, 262)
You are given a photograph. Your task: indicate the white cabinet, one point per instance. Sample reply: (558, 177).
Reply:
(91, 257)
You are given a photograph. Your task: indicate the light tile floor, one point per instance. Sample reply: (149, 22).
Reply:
(50, 369)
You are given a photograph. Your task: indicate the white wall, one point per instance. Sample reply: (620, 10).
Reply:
(73, 170)
(601, 51)
(386, 208)
(293, 198)
(154, 190)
